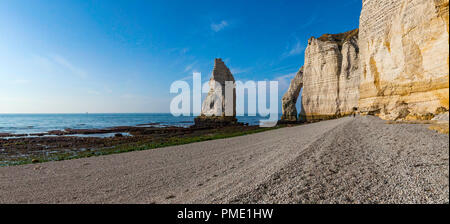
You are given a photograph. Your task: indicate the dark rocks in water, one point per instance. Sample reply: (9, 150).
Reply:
(214, 121)
(5, 134)
(70, 131)
(118, 135)
(57, 132)
(148, 124)
(50, 146)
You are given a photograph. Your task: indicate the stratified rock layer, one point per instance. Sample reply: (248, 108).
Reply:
(330, 76)
(218, 109)
(404, 51)
(289, 99)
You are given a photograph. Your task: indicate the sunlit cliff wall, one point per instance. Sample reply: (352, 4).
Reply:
(330, 76)
(404, 54)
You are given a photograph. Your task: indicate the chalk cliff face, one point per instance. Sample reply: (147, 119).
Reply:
(404, 53)
(330, 76)
(396, 68)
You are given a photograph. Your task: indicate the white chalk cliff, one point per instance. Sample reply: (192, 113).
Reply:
(330, 76)
(404, 51)
(396, 67)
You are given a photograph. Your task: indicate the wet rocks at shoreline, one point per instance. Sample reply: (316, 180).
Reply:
(16, 147)
(213, 121)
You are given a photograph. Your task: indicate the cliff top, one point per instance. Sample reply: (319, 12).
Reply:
(340, 38)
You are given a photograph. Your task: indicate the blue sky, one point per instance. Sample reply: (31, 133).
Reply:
(67, 56)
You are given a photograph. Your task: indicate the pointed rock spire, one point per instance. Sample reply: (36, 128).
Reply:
(219, 107)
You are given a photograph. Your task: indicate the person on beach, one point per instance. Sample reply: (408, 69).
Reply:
(355, 109)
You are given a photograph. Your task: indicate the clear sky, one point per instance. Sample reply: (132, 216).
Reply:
(73, 56)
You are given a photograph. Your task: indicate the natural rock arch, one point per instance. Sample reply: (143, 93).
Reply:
(329, 79)
(289, 100)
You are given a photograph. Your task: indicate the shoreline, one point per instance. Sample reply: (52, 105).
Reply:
(19, 149)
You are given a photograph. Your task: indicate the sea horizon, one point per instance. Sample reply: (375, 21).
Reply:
(31, 123)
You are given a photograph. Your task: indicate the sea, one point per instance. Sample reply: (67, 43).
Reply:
(41, 123)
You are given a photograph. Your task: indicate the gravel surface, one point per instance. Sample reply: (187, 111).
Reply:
(348, 160)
